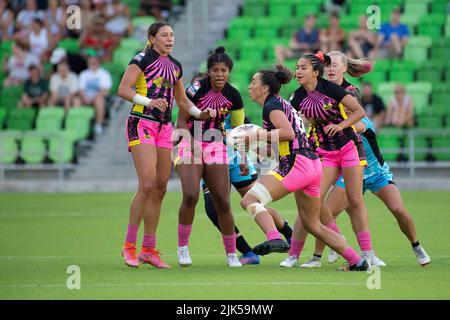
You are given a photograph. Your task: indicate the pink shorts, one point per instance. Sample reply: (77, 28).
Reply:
(300, 173)
(350, 155)
(142, 131)
(203, 153)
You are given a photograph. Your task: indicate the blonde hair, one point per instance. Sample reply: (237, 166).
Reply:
(355, 67)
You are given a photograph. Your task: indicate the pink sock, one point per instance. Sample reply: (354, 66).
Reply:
(184, 231)
(149, 241)
(334, 227)
(132, 233)
(273, 234)
(230, 243)
(365, 243)
(296, 247)
(351, 256)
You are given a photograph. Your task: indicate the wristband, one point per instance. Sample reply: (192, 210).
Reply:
(138, 99)
(195, 112)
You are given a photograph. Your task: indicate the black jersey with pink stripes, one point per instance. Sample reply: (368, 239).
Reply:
(204, 96)
(351, 89)
(323, 107)
(300, 144)
(157, 80)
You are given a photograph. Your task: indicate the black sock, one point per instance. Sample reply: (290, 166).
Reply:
(317, 256)
(286, 230)
(414, 245)
(242, 245)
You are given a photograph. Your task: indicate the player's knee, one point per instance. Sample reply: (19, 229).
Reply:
(398, 211)
(147, 188)
(355, 200)
(222, 204)
(313, 227)
(161, 191)
(190, 199)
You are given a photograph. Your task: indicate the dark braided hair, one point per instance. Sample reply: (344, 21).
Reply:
(318, 61)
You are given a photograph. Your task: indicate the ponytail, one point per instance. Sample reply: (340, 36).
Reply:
(355, 67)
(275, 78)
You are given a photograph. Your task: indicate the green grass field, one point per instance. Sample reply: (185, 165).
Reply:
(43, 234)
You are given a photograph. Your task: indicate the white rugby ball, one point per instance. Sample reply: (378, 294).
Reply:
(236, 135)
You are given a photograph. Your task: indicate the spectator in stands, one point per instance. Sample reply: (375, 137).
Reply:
(332, 39)
(400, 111)
(95, 83)
(96, 37)
(76, 62)
(64, 87)
(6, 21)
(38, 40)
(117, 16)
(373, 105)
(160, 9)
(17, 65)
(334, 5)
(55, 22)
(303, 41)
(25, 18)
(393, 37)
(35, 91)
(362, 42)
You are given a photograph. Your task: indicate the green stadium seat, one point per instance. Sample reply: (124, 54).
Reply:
(401, 75)
(429, 73)
(49, 119)
(61, 147)
(441, 142)
(280, 10)
(304, 8)
(441, 87)
(419, 87)
(253, 50)
(375, 77)
(21, 119)
(430, 122)
(416, 7)
(71, 45)
(131, 44)
(142, 21)
(411, 20)
(122, 56)
(420, 101)
(9, 148)
(254, 9)
(386, 88)
(439, 6)
(267, 28)
(421, 148)
(3, 115)
(11, 96)
(416, 54)
(440, 98)
(440, 109)
(33, 148)
(6, 47)
(389, 141)
(383, 65)
(434, 31)
(79, 120)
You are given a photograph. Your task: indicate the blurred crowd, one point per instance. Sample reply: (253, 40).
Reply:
(51, 75)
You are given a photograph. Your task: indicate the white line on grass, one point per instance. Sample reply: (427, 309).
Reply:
(166, 255)
(185, 284)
